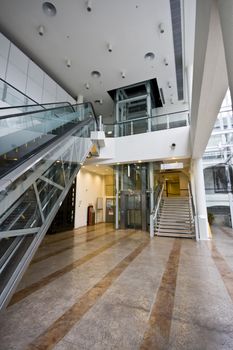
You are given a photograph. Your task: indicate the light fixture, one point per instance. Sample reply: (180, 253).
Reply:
(161, 28)
(173, 146)
(41, 30)
(165, 62)
(109, 47)
(87, 86)
(171, 101)
(139, 161)
(118, 163)
(49, 9)
(100, 101)
(89, 5)
(123, 74)
(149, 56)
(68, 63)
(95, 74)
(169, 84)
(97, 165)
(109, 132)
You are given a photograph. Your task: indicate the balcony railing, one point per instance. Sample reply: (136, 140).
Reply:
(145, 124)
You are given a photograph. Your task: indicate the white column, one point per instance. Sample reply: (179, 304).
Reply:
(201, 212)
(225, 8)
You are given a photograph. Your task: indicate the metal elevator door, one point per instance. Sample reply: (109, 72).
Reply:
(131, 210)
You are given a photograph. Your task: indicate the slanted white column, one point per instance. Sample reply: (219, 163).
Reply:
(201, 212)
(225, 8)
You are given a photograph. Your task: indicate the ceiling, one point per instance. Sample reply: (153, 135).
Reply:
(99, 169)
(131, 27)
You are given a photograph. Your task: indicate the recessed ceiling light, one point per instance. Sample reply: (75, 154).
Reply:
(149, 56)
(100, 101)
(139, 161)
(169, 84)
(161, 28)
(49, 9)
(109, 47)
(109, 132)
(165, 62)
(87, 86)
(95, 74)
(68, 63)
(41, 30)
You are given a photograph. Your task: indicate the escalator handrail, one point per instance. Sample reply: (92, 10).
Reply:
(22, 93)
(36, 105)
(47, 110)
(18, 170)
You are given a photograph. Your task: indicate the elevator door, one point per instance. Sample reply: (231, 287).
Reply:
(131, 216)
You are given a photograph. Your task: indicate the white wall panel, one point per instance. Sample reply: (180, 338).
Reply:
(3, 63)
(16, 77)
(35, 73)
(18, 59)
(4, 46)
(21, 72)
(34, 90)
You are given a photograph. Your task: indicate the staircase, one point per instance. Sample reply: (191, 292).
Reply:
(175, 218)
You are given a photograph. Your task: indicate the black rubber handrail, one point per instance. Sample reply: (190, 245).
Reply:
(36, 105)
(47, 110)
(22, 93)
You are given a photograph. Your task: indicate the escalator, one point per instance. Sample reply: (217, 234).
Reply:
(41, 152)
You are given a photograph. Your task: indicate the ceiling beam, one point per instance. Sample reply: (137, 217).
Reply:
(209, 75)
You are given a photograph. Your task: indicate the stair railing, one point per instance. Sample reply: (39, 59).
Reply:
(155, 212)
(192, 208)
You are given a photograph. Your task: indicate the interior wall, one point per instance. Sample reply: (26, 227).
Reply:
(21, 72)
(90, 186)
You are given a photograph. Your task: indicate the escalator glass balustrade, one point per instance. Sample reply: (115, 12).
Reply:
(40, 155)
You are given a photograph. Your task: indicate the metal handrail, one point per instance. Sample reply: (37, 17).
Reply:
(192, 219)
(154, 214)
(147, 117)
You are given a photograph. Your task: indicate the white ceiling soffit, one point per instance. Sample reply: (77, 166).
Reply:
(132, 28)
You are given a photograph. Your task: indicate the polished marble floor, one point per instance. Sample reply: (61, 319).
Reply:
(97, 288)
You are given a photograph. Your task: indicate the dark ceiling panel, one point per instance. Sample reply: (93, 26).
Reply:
(177, 38)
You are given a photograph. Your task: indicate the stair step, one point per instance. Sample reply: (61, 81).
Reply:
(166, 224)
(174, 230)
(175, 235)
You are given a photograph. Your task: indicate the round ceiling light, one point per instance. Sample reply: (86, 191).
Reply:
(149, 56)
(49, 9)
(95, 74)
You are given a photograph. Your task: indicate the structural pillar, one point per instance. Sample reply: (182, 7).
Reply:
(201, 212)
(117, 197)
(225, 8)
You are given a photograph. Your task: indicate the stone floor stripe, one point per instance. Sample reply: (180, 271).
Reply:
(62, 325)
(157, 334)
(72, 234)
(23, 293)
(223, 268)
(71, 246)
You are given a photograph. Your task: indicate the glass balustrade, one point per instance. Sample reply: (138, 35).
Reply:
(143, 125)
(21, 135)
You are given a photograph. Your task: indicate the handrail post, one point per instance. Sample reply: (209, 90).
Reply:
(152, 233)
